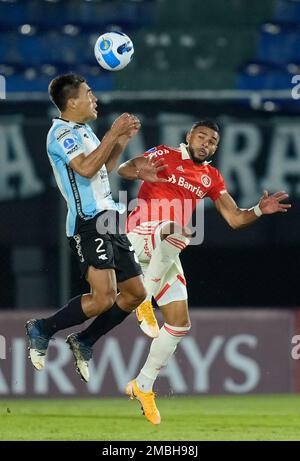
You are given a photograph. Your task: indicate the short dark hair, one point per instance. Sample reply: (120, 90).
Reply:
(63, 87)
(208, 123)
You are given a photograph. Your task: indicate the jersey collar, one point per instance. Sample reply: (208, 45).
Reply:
(185, 155)
(72, 124)
(184, 152)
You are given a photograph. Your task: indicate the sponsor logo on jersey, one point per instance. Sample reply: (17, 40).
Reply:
(68, 143)
(187, 185)
(157, 152)
(72, 150)
(146, 248)
(180, 168)
(172, 179)
(61, 133)
(77, 239)
(205, 180)
(103, 174)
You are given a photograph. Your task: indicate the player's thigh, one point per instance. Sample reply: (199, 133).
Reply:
(173, 285)
(143, 249)
(92, 249)
(176, 313)
(127, 265)
(142, 245)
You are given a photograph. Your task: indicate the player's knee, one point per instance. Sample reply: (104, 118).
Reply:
(174, 228)
(183, 323)
(134, 299)
(169, 228)
(178, 319)
(102, 302)
(108, 299)
(139, 297)
(186, 232)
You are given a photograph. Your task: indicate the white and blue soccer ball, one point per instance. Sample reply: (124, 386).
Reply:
(114, 50)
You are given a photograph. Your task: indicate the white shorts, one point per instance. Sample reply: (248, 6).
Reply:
(144, 239)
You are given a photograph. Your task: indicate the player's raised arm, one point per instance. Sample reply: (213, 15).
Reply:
(143, 168)
(238, 218)
(121, 143)
(87, 166)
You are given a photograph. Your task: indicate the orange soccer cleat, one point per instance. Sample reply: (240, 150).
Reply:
(146, 318)
(147, 401)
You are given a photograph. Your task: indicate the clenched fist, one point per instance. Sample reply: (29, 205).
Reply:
(126, 124)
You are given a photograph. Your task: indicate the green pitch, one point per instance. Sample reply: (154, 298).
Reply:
(183, 418)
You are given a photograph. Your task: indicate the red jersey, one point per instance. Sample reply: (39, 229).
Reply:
(175, 200)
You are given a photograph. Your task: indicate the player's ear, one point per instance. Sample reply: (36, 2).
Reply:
(216, 148)
(217, 145)
(71, 104)
(187, 138)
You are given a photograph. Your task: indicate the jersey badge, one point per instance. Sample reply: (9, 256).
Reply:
(205, 180)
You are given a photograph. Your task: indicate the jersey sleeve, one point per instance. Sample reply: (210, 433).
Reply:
(218, 186)
(65, 145)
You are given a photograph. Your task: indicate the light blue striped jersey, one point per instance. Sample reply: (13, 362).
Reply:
(85, 197)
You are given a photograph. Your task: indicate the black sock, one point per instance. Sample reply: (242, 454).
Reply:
(69, 315)
(102, 324)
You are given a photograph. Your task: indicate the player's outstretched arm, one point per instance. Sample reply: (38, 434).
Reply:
(238, 218)
(143, 168)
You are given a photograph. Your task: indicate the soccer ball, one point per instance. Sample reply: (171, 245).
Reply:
(114, 50)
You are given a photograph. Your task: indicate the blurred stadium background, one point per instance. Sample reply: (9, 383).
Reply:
(234, 60)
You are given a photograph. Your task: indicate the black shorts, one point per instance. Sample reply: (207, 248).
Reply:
(104, 251)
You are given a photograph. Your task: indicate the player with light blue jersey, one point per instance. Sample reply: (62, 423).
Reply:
(85, 197)
(81, 164)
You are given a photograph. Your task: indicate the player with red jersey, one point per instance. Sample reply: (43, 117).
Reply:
(175, 179)
(187, 182)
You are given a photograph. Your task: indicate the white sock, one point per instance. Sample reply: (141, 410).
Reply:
(162, 348)
(161, 260)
